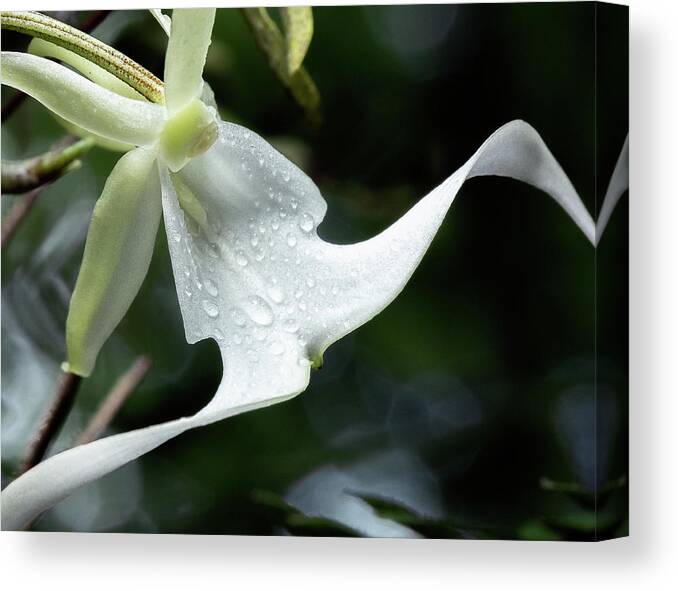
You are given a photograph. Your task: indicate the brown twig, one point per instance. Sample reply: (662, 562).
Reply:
(21, 176)
(18, 97)
(53, 420)
(17, 214)
(114, 400)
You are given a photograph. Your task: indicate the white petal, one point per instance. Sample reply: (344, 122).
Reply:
(619, 183)
(252, 273)
(263, 213)
(82, 102)
(371, 274)
(57, 477)
(186, 54)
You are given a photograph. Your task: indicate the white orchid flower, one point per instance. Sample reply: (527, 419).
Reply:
(251, 271)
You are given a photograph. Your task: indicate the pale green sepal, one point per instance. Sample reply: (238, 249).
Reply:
(186, 55)
(95, 73)
(102, 142)
(80, 101)
(298, 24)
(117, 256)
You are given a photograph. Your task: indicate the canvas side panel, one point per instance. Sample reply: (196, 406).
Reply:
(612, 260)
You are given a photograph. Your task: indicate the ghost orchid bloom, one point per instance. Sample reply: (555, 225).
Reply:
(251, 271)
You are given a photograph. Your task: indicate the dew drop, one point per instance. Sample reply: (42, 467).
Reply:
(291, 325)
(259, 311)
(210, 308)
(291, 240)
(240, 258)
(277, 348)
(238, 317)
(275, 224)
(306, 222)
(254, 240)
(276, 294)
(310, 281)
(211, 288)
(218, 334)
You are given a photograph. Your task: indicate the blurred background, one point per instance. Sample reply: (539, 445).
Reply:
(468, 407)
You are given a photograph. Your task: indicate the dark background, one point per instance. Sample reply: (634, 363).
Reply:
(475, 388)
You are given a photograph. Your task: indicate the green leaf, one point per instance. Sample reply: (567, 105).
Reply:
(117, 256)
(298, 24)
(298, 524)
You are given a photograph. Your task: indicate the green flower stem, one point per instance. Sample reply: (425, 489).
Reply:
(272, 43)
(111, 60)
(25, 175)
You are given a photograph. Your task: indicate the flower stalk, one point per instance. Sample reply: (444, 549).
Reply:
(285, 59)
(22, 176)
(53, 420)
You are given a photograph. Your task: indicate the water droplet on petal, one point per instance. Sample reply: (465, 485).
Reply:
(276, 294)
(238, 317)
(310, 281)
(277, 348)
(291, 240)
(291, 325)
(210, 308)
(259, 311)
(211, 288)
(240, 258)
(306, 222)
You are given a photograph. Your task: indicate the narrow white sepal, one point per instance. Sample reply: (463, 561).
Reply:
(187, 48)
